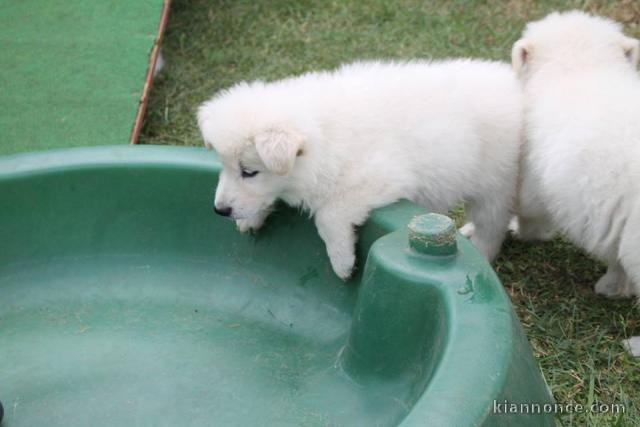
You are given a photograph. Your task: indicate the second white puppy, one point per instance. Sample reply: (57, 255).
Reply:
(581, 163)
(342, 143)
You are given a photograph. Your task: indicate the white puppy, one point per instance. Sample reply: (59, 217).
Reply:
(342, 143)
(581, 161)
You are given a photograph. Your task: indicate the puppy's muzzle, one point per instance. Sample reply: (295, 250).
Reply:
(224, 211)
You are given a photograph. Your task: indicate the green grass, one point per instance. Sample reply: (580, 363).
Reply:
(210, 45)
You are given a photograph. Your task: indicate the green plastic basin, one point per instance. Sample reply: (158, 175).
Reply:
(124, 300)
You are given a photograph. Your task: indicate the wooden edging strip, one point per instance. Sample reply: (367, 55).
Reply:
(155, 51)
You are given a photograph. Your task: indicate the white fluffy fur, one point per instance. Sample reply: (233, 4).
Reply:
(581, 161)
(344, 142)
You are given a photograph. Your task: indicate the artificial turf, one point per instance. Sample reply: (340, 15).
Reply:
(576, 335)
(72, 71)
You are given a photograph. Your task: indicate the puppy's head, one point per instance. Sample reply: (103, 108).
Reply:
(257, 148)
(573, 40)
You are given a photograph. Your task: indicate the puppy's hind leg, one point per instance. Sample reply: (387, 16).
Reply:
(633, 346)
(533, 221)
(467, 230)
(490, 218)
(628, 254)
(532, 228)
(614, 283)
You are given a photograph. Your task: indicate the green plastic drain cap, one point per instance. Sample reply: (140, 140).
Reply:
(433, 234)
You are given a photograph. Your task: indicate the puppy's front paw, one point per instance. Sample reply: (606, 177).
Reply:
(340, 239)
(250, 225)
(343, 265)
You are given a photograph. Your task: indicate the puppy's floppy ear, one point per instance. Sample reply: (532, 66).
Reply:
(631, 49)
(203, 120)
(520, 54)
(278, 149)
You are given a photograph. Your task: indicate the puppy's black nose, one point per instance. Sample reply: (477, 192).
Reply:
(224, 211)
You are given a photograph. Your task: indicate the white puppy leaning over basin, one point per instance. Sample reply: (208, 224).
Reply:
(341, 143)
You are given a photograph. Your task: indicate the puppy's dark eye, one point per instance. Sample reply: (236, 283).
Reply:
(246, 173)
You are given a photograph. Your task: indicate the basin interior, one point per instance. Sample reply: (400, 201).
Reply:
(125, 300)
